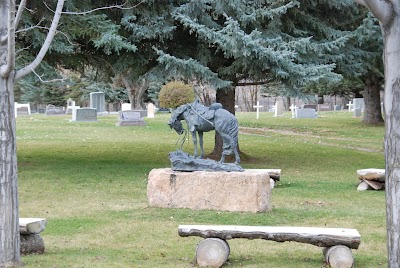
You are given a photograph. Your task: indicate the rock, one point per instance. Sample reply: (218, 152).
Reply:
(371, 174)
(181, 161)
(363, 186)
(247, 191)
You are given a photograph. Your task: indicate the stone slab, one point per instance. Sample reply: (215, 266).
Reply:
(247, 191)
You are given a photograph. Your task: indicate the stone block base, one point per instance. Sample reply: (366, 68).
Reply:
(247, 191)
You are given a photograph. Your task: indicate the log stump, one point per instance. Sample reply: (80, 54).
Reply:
(212, 252)
(31, 243)
(339, 256)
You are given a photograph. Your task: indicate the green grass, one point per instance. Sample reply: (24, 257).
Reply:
(89, 180)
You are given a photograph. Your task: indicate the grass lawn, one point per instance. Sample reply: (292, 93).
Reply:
(89, 180)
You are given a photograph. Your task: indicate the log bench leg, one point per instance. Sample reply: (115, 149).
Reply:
(31, 243)
(212, 252)
(339, 256)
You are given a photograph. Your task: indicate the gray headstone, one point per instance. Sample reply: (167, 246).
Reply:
(84, 115)
(130, 118)
(310, 106)
(324, 107)
(358, 103)
(357, 112)
(305, 113)
(338, 107)
(98, 101)
(54, 110)
(279, 108)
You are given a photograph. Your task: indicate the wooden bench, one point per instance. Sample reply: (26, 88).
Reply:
(31, 240)
(214, 250)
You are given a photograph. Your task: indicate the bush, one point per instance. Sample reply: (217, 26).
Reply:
(174, 94)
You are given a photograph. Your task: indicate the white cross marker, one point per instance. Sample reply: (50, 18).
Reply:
(258, 106)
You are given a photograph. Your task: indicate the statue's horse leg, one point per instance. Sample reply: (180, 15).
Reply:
(201, 144)
(194, 139)
(229, 146)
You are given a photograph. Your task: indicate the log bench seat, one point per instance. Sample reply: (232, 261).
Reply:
(214, 251)
(29, 230)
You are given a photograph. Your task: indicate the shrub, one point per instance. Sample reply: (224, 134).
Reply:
(175, 94)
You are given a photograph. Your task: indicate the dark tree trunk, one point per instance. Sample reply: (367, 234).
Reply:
(227, 98)
(372, 100)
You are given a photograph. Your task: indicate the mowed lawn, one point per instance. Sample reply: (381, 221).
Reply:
(89, 180)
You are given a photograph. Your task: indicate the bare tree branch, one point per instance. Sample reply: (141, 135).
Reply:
(7, 68)
(21, 8)
(47, 81)
(53, 28)
(46, 28)
(97, 9)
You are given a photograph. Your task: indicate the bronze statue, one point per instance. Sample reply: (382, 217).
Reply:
(200, 118)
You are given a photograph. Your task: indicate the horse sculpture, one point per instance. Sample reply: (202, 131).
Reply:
(200, 118)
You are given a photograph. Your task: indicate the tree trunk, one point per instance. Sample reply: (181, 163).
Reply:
(372, 100)
(227, 98)
(9, 226)
(391, 34)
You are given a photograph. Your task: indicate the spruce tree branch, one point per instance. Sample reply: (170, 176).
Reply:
(381, 9)
(47, 81)
(21, 8)
(97, 9)
(7, 68)
(53, 28)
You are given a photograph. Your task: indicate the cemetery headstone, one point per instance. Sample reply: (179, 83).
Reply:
(54, 110)
(130, 118)
(357, 112)
(98, 102)
(338, 107)
(258, 106)
(293, 109)
(84, 115)
(323, 107)
(305, 113)
(126, 107)
(279, 108)
(310, 106)
(151, 109)
(22, 109)
(358, 103)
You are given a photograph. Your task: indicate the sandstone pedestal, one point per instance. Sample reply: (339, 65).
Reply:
(247, 191)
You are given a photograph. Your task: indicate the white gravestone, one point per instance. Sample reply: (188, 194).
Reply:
(126, 107)
(84, 115)
(22, 109)
(279, 108)
(151, 109)
(98, 102)
(258, 106)
(293, 109)
(130, 118)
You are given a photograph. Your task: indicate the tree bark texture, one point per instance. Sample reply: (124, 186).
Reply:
(31, 243)
(9, 226)
(321, 237)
(372, 100)
(392, 136)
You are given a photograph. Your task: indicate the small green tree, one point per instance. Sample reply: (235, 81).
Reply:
(175, 94)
